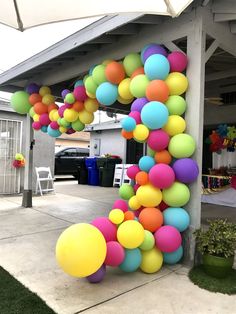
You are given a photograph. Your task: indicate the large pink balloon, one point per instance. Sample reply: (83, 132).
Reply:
(107, 228)
(168, 239)
(161, 176)
(178, 61)
(115, 254)
(158, 140)
(120, 204)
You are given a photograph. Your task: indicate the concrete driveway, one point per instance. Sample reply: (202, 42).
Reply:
(27, 245)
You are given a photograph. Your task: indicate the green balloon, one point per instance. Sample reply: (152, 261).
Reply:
(176, 105)
(31, 112)
(177, 195)
(98, 74)
(90, 85)
(78, 125)
(131, 62)
(20, 102)
(138, 85)
(126, 191)
(150, 152)
(85, 78)
(70, 98)
(148, 242)
(181, 146)
(64, 123)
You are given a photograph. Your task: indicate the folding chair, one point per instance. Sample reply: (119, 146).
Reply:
(118, 175)
(43, 174)
(125, 178)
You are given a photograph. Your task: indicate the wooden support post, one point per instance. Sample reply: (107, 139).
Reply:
(196, 41)
(27, 193)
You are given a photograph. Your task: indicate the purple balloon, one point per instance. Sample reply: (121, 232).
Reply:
(154, 49)
(98, 275)
(139, 103)
(70, 131)
(64, 93)
(186, 170)
(32, 88)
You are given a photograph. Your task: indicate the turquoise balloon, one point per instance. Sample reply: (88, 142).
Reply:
(107, 93)
(78, 83)
(44, 128)
(52, 132)
(173, 257)
(20, 102)
(157, 67)
(176, 217)
(154, 115)
(128, 124)
(132, 261)
(146, 163)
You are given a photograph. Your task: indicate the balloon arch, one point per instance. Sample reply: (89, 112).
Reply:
(143, 229)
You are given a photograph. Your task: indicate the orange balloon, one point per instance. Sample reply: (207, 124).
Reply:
(129, 215)
(78, 106)
(163, 157)
(141, 178)
(137, 72)
(127, 135)
(157, 90)
(52, 106)
(115, 72)
(40, 108)
(34, 98)
(151, 218)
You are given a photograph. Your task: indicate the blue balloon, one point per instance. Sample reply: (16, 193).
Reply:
(173, 257)
(132, 261)
(146, 163)
(52, 132)
(176, 217)
(154, 115)
(44, 128)
(107, 93)
(157, 67)
(128, 124)
(79, 83)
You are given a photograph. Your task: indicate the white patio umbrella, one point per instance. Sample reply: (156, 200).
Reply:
(23, 14)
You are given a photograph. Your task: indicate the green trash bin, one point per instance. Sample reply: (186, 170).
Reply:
(106, 168)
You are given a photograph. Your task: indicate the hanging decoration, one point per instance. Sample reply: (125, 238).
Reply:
(19, 161)
(224, 137)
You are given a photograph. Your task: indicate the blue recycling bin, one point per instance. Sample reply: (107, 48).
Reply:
(93, 172)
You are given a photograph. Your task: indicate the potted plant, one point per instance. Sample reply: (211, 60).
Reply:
(217, 245)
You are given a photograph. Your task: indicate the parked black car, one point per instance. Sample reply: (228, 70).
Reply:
(66, 160)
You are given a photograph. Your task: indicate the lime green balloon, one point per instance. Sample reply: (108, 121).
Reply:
(126, 191)
(90, 85)
(177, 195)
(150, 152)
(31, 112)
(176, 105)
(131, 62)
(181, 146)
(20, 102)
(98, 74)
(70, 98)
(138, 85)
(148, 242)
(64, 122)
(85, 78)
(78, 125)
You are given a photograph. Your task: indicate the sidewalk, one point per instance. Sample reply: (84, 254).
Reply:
(27, 245)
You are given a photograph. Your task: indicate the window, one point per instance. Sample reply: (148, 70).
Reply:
(71, 152)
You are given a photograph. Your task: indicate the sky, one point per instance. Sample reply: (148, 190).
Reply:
(17, 46)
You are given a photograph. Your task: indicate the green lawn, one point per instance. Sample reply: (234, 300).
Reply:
(200, 278)
(17, 299)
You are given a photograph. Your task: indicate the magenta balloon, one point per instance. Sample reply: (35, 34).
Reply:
(139, 103)
(186, 170)
(136, 186)
(70, 131)
(107, 228)
(161, 176)
(136, 116)
(54, 125)
(158, 140)
(36, 125)
(98, 275)
(120, 204)
(61, 110)
(132, 171)
(44, 119)
(152, 50)
(80, 93)
(168, 239)
(178, 61)
(115, 254)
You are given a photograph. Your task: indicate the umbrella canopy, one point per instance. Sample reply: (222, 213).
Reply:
(23, 14)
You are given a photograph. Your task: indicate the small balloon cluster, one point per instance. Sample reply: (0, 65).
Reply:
(144, 227)
(19, 161)
(224, 137)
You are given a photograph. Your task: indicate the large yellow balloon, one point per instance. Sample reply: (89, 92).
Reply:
(116, 216)
(55, 115)
(175, 125)
(177, 83)
(124, 101)
(51, 114)
(91, 105)
(123, 89)
(151, 261)
(149, 196)
(130, 234)
(48, 99)
(134, 203)
(70, 115)
(81, 250)
(86, 117)
(141, 132)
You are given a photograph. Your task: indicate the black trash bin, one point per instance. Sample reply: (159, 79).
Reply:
(82, 171)
(106, 168)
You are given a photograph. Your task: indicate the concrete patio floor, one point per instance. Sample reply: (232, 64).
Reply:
(27, 245)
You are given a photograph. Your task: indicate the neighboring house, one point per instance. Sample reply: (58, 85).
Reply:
(12, 141)
(78, 139)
